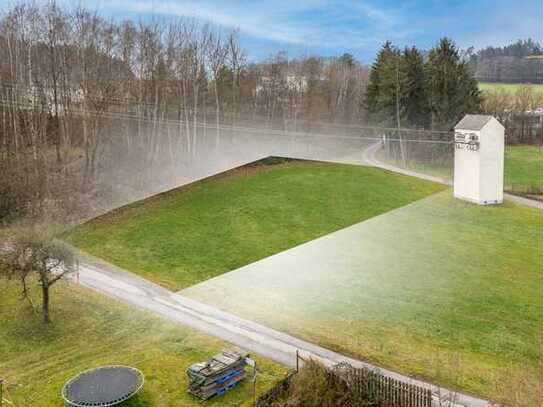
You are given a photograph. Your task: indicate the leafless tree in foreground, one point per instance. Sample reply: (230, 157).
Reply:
(37, 258)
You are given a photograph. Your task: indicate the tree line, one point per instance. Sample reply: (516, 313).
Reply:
(67, 75)
(420, 90)
(66, 71)
(520, 49)
(520, 62)
(409, 89)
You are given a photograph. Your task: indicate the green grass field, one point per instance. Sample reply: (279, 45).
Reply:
(440, 289)
(524, 169)
(507, 87)
(89, 330)
(190, 235)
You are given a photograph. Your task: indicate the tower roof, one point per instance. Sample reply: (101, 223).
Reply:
(473, 122)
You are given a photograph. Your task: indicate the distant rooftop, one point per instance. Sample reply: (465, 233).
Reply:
(473, 122)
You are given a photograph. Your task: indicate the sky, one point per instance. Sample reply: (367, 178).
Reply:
(332, 27)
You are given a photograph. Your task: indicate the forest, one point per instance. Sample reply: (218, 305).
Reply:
(71, 79)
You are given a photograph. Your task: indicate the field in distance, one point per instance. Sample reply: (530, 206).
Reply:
(508, 87)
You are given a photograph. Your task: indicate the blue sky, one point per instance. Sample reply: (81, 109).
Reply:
(336, 26)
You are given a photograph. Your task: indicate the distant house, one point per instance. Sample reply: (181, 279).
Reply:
(288, 82)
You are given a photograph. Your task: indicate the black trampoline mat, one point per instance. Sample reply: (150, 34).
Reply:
(103, 386)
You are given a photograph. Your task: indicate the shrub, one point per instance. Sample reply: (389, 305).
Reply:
(316, 386)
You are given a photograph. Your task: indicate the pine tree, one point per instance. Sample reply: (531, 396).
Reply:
(415, 108)
(451, 88)
(384, 91)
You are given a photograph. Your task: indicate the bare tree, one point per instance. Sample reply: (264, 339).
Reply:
(216, 57)
(83, 98)
(237, 60)
(36, 257)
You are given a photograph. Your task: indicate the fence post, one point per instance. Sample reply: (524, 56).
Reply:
(297, 365)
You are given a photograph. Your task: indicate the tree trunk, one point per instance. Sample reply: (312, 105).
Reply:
(217, 115)
(45, 300)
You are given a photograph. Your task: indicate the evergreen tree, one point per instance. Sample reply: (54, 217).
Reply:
(383, 94)
(415, 108)
(451, 88)
(404, 91)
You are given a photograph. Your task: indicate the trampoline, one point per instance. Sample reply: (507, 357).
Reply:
(103, 386)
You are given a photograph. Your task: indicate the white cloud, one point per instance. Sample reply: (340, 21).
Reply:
(298, 22)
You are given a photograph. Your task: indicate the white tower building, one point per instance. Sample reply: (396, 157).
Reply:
(478, 160)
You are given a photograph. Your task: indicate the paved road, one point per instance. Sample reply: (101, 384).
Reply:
(280, 347)
(369, 157)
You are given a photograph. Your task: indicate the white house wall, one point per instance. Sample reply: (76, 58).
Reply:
(467, 173)
(492, 166)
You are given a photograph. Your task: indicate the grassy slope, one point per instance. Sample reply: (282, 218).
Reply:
(90, 330)
(190, 235)
(524, 168)
(508, 87)
(442, 289)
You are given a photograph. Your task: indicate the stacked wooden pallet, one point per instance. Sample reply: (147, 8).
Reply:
(218, 375)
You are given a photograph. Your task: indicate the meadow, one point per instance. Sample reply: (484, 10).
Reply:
(89, 330)
(440, 289)
(523, 169)
(425, 284)
(197, 232)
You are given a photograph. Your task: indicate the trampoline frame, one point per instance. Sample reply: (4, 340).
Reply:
(108, 404)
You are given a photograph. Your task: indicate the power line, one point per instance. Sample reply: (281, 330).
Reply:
(250, 130)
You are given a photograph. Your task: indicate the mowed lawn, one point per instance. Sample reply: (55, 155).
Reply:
(216, 225)
(440, 289)
(524, 169)
(89, 330)
(523, 172)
